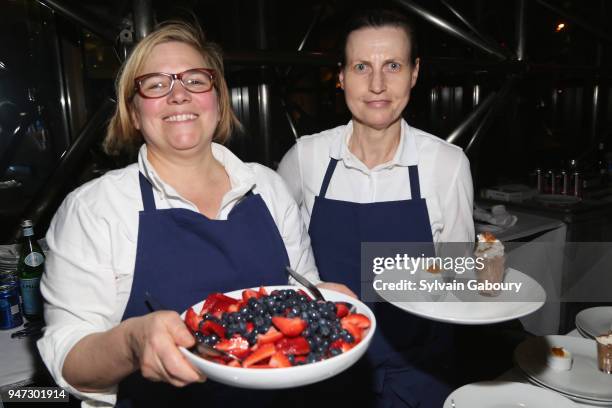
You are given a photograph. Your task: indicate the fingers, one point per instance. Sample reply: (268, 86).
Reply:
(161, 360)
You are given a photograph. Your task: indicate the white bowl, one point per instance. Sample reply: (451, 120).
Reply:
(277, 378)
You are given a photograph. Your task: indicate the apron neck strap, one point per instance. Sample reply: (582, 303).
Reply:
(328, 175)
(415, 187)
(146, 190)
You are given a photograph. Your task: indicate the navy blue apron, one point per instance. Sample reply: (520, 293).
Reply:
(181, 257)
(396, 370)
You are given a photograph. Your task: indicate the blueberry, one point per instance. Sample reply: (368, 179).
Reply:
(306, 332)
(349, 338)
(335, 351)
(258, 321)
(291, 358)
(324, 331)
(199, 336)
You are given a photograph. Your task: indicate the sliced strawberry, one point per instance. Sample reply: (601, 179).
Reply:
(303, 293)
(249, 327)
(261, 366)
(249, 293)
(233, 308)
(192, 320)
(234, 363)
(217, 304)
(342, 345)
(219, 360)
(290, 327)
(355, 331)
(357, 319)
(296, 346)
(341, 309)
(271, 336)
(279, 360)
(209, 327)
(263, 352)
(262, 292)
(300, 359)
(237, 345)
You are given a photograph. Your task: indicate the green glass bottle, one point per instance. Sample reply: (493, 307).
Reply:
(30, 269)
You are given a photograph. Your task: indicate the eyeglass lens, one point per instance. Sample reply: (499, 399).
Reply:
(160, 85)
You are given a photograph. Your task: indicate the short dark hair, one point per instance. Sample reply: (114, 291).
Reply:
(378, 18)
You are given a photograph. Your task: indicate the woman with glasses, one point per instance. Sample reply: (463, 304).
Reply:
(187, 220)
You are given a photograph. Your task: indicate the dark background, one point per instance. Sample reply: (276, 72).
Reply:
(55, 75)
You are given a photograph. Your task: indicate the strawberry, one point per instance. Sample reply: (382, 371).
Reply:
(237, 345)
(192, 320)
(262, 292)
(342, 345)
(355, 331)
(303, 293)
(233, 363)
(296, 346)
(341, 309)
(290, 327)
(271, 336)
(263, 352)
(300, 359)
(279, 360)
(217, 304)
(249, 293)
(357, 319)
(209, 327)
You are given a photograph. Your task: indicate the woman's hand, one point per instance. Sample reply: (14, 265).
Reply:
(155, 339)
(338, 287)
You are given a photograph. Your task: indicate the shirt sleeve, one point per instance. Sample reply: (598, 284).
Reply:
(78, 288)
(286, 214)
(458, 206)
(289, 169)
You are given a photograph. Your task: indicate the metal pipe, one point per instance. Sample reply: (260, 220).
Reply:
(143, 18)
(520, 30)
(263, 90)
(81, 19)
(471, 118)
(52, 191)
(453, 29)
(289, 118)
(62, 88)
(576, 20)
(487, 120)
(473, 28)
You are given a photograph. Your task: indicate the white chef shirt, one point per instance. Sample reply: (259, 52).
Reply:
(444, 173)
(93, 237)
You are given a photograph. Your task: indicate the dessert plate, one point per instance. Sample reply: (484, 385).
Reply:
(583, 380)
(595, 321)
(471, 308)
(278, 378)
(502, 394)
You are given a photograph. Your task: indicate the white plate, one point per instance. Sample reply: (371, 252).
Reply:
(589, 402)
(472, 308)
(595, 321)
(502, 394)
(277, 378)
(481, 227)
(583, 380)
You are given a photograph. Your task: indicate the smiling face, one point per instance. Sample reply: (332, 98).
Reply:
(180, 123)
(378, 75)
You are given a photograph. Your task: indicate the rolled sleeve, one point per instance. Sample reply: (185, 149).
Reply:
(78, 288)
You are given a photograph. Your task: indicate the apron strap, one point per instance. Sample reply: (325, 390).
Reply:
(146, 190)
(415, 187)
(328, 175)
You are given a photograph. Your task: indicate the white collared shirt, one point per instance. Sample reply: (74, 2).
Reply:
(444, 173)
(92, 241)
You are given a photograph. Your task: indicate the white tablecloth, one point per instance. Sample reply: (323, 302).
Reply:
(539, 258)
(19, 359)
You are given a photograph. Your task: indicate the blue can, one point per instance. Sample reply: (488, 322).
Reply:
(10, 311)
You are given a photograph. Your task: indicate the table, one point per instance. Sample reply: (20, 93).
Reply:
(21, 363)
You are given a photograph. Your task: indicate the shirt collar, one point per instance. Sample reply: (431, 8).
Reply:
(242, 177)
(406, 154)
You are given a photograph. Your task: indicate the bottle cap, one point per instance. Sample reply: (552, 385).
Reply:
(26, 223)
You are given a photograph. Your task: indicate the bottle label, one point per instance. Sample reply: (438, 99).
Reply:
(34, 259)
(30, 291)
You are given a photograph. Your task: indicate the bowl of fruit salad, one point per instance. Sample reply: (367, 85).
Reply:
(281, 336)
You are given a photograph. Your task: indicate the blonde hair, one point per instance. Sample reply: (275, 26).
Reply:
(121, 135)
